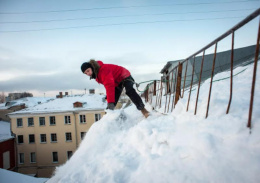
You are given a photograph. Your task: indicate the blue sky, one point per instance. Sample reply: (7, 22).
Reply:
(139, 35)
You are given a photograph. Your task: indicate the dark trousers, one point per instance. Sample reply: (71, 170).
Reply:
(130, 92)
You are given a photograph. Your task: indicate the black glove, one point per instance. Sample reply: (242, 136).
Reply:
(111, 106)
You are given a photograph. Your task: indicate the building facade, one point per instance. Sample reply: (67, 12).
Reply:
(48, 138)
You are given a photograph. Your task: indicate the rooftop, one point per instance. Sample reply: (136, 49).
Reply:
(89, 101)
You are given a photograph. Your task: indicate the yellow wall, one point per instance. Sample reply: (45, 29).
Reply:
(44, 151)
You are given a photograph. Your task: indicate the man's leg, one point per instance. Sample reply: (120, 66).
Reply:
(131, 93)
(118, 91)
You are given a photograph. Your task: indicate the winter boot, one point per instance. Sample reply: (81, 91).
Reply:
(145, 112)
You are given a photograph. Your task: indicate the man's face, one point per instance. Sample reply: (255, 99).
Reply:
(88, 72)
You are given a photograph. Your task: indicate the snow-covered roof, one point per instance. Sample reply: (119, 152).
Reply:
(65, 104)
(28, 101)
(14, 177)
(5, 132)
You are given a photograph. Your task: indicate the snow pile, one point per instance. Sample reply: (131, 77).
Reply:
(13, 177)
(5, 132)
(179, 147)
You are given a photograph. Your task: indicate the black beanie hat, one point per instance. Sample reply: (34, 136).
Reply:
(85, 66)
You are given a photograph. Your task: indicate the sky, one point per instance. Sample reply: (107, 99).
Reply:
(175, 147)
(44, 43)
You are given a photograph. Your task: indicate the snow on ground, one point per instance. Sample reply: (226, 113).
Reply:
(178, 147)
(5, 132)
(13, 177)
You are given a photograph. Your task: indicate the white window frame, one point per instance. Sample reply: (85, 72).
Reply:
(82, 118)
(30, 123)
(52, 120)
(20, 159)
(32, 157)
(70, 135)
(19, 122)
(43, 142)
(97, 117)
(53, 157)
(67, 120)
(30, 139)
(41, 119)
(6, 160)
(55, 137)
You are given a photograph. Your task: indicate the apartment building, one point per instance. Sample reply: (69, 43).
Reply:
(48, 134)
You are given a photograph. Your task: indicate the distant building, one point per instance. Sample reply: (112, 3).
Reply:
(48, 134)
(7, 147)
(15, 96)
(19, 104)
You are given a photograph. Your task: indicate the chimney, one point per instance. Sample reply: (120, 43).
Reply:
(92, 91)
(60, 95)
(77, 104)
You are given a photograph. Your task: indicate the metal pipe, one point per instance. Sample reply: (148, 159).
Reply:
(160, 104)
(170, 92)
(212, 74)
(166, 93)
(253, 80)
(237, 26)
(191, 83)
(231, 73)
(184, 79)
(175, 81)
(198, 91)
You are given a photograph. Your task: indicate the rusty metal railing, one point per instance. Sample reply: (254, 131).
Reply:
(171, 86)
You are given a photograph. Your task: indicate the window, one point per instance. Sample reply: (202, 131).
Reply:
(82, 135)
(82, 118)
(97, 117)
(42, 121)
(6, 160)
(21, 158)
(31, 139)
(33, 157)
(19, 122)
(67, 119)
(30, 122)
(52, 120)
(53, 137)
(43, 138)
(55, 157)
(20, 139)
(69, 154)
(68, 136)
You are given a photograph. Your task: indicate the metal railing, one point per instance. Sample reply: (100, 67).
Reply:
(173, 85)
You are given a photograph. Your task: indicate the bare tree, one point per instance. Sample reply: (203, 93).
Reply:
(2, 97)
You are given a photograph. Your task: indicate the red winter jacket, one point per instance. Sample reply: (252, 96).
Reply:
(110, 76)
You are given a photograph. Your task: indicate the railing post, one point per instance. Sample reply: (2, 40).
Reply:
(184, 78)
(254, 79)
(212, 74)
(193, 65)
(231, 73)
(154, 87)
(178, 86)
(174, 90)
(201, 68)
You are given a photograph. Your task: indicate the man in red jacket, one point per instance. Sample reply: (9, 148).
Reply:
(114, 78)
